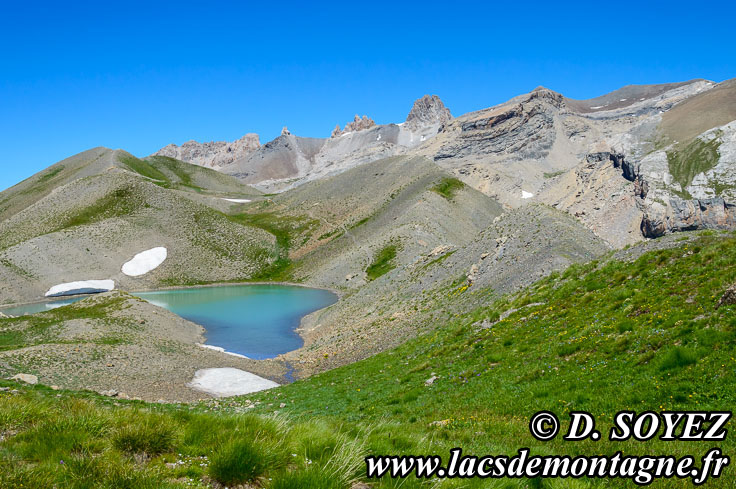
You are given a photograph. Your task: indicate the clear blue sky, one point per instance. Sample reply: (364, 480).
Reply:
(75, 75)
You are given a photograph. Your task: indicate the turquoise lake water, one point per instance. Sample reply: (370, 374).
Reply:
(257, 321)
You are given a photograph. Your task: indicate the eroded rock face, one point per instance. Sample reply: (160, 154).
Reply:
(358, 124)
(525, 130)
(427, 111)
(214, 154)
(689, 215)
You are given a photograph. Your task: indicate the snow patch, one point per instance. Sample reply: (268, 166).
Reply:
(597, 107)
(221, 350)
(145, 261)
(238, 201)
(224, 382)
(81, 287)
(379, 137)
(526, 195)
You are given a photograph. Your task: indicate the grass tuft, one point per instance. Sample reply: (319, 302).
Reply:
(448, 187)
(382, 262)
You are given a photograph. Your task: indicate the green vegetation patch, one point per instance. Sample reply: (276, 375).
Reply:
(448, 187)
(179, 169)
(696, 157)
(144, 168)
(122, 202)
(439, 259)
(383, 262)
(287, 230)
(553, 174)
(81, 441)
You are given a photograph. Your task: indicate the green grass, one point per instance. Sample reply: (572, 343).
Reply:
(178, 169)
(36, 329)
(335, 232)
(75, 443)
(448, 187)
(439, 259)
(121, 202)
(605, 336)
(287, 230)
(245, 459)
(688, 161)
(383, 262)
(553, 174)
(145, 169)
(360, 222)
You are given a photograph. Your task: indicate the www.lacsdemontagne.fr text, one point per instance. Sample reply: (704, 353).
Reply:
(640, 469)
(676, 426)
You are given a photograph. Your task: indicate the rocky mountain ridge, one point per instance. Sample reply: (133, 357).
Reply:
(289, 160)
(623, 163)
(214, 154)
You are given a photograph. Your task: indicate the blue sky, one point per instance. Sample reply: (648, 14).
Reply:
(139, 75)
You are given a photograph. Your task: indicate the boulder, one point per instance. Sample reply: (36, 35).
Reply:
(728, 298)
(27, 378)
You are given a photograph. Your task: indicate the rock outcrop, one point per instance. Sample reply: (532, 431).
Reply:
(358, 124)
(689, 215)
(26, 378)
(426, 111)
(523, 130)
(214, 154)
(728, 298)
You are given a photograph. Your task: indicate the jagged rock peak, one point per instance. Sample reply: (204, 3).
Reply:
(358, 124)
(427, 111)
(285, 131)
(214, 153)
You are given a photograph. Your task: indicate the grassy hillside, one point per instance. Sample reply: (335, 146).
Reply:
(617, 334)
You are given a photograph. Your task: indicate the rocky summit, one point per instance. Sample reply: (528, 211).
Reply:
(428, 111)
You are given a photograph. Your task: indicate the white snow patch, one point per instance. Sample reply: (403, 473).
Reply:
(526, 195)
(379, 137)
(221, 350)
(597, 107)
(145, 261)
(81, 287)
(623, 100)
(238, 201)
(224, 382)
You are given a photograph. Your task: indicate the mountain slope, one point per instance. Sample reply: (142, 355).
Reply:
(122, 206)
